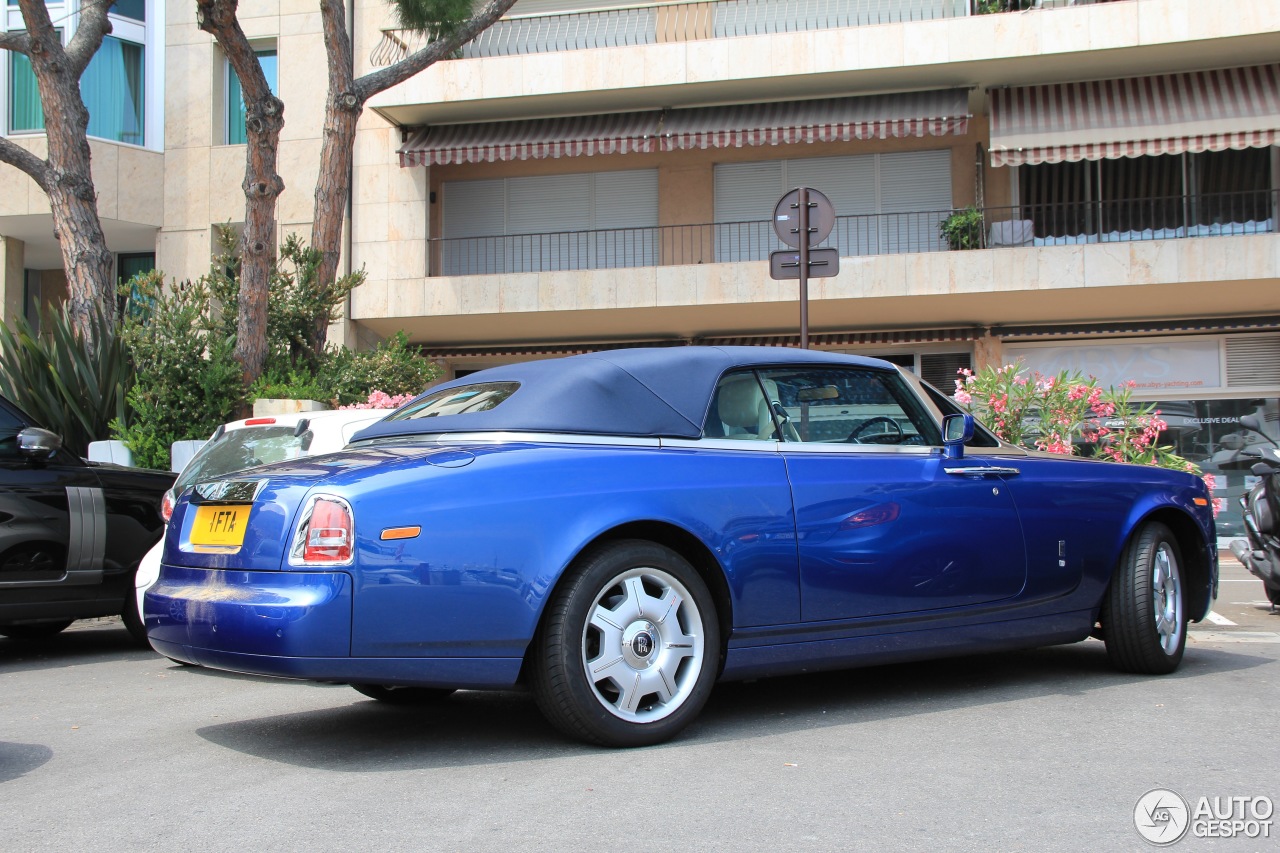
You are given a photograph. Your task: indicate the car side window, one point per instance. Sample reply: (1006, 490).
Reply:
(848, 406)
(740, 410)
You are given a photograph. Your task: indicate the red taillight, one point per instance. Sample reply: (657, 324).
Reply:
(166, 505)
(328, 535)
(259, 421)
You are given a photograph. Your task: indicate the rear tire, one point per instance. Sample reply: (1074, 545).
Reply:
(626, 654)
(389, 694)
(1143, 614)
(35, 630)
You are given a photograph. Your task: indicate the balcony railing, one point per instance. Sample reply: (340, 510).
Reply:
(657, 23)
(1059, 224)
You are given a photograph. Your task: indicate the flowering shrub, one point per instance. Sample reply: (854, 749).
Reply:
(381, 400)
(1066, 412)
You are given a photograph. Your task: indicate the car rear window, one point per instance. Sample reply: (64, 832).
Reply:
(243, 448)
(460, 400)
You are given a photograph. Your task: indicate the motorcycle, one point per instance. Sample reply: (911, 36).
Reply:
(1261, 553)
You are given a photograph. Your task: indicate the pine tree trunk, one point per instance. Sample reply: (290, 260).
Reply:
(333, 185)
(264, 118)
(66, 175)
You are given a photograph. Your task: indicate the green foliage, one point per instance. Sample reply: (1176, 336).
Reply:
(442, 18)
(188, 381)
(986, 7)
(56, 379)
(345, 377)
(963, 229)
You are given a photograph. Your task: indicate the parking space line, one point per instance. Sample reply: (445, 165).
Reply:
(1217, 619)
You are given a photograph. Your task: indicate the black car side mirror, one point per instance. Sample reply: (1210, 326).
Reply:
(38, 443)
(957, 430)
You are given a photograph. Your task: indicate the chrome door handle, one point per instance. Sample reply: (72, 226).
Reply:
(983, 471)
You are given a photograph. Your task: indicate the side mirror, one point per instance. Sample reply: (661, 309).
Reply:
(957, 430)
(38, 443)
(1251, 422)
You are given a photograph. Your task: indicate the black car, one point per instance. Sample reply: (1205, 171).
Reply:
(71, 531)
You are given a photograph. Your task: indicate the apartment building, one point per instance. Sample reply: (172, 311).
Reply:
(595, 173)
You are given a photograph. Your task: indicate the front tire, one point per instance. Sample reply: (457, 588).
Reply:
(628, 649)
(1143, 615)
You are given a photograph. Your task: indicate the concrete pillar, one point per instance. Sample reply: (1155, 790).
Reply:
(12, 278)
(987, 352)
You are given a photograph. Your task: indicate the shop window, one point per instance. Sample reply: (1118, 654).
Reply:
(236, 134)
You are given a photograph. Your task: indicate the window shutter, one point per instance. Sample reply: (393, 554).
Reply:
(915, 187)
(475, 214)
(850, 183)
(940, 369)
(625, 219)
(1253, 361)
(745, 194)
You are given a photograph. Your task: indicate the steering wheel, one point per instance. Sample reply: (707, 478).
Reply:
(879, 419)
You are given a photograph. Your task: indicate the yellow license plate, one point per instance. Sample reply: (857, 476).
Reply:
(220, 525)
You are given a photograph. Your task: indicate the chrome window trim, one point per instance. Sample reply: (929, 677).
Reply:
(508, 437)
(756, 445)
(861, 449)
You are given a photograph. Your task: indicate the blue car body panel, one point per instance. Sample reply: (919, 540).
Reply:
(826, 557)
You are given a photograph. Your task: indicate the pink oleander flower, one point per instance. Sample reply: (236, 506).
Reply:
(962, 397)
(1077, 392)
(381, 400)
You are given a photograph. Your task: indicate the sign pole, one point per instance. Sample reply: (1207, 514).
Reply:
(803, 223)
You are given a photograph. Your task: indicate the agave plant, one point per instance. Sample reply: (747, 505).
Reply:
(57, 380)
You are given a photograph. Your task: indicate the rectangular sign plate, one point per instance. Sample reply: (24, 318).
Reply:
(785, 264)
(220, 524)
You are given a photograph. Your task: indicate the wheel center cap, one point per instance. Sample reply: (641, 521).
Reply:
(640, 644)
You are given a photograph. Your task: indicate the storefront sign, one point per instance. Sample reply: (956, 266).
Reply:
(1169, 367)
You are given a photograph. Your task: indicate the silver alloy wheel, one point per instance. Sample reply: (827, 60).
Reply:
(642, 646)
(1166, 597)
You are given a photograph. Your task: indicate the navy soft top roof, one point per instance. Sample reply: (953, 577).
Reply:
(652, 392)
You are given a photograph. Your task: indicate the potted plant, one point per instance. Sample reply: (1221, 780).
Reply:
(963, 229)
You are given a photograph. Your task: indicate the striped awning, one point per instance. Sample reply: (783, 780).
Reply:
(1136, 116)
(535, 139)
(937, 113)
(848, 339)
(1264, 323)
(934, 113)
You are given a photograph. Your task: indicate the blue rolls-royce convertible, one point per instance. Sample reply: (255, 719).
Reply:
(619, 530)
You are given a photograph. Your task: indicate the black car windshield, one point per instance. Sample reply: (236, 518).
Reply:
(462, 400)
(243, 448)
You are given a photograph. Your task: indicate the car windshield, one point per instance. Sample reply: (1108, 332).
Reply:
(243, 448)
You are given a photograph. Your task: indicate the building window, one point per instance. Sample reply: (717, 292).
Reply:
(25, 114)
(1172, 195)
(236, 134)
(884, 203)
(134, 9)
(113, 88)
(600, 220)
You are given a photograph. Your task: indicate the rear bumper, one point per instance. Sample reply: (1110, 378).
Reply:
(288, 625)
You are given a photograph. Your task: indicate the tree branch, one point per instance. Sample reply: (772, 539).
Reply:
(21, 158)
(18, 42)
(384, 78)
(218, 18)
(94, 24)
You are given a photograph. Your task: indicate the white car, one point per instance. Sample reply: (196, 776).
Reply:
(256, 441)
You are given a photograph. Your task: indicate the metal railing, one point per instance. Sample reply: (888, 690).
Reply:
(1055, 224)
(657, 23)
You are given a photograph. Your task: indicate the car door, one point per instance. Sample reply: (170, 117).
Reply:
(52, 518)
(884, 523)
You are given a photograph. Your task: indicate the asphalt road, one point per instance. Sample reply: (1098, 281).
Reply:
(105, 747)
